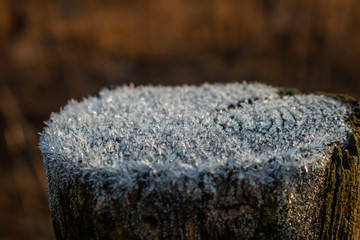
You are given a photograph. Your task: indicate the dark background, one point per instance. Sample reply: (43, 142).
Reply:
(52, 51)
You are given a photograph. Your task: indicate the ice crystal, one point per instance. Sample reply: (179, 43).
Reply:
(170, 133)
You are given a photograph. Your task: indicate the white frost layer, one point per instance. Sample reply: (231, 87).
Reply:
(174, 132)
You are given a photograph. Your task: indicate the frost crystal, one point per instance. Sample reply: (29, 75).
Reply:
(167, 134)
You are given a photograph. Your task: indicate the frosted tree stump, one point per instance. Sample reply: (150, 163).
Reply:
(234, 161)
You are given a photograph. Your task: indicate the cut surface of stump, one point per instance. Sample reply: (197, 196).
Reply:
(222, 161)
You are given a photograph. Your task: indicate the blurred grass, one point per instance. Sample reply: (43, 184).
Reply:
(52, 51)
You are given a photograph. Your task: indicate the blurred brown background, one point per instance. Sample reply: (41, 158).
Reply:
(51, 51)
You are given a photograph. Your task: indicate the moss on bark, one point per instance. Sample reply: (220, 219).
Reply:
(341, 210)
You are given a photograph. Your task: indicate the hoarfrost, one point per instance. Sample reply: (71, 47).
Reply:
(170, 133)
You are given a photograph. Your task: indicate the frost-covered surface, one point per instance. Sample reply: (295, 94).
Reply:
(179, 162)
(168, 133)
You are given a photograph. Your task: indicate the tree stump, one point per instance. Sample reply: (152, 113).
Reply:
(223, 161)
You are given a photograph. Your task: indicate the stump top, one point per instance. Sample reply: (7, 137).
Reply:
(169, 133)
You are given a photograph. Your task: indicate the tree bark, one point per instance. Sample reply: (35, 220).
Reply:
(300, 203)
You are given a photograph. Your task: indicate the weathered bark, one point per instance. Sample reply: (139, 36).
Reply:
(341, 209)
(307, 202)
